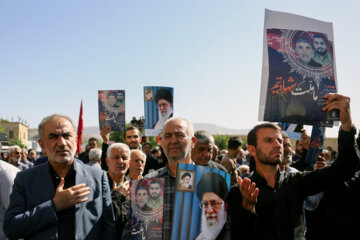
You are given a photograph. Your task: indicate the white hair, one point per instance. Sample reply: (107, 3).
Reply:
(95, 154)
(116, 145)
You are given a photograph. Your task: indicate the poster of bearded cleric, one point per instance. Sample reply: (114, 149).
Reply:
(112, 109)
(200, 209)
(159, 107)
(298, 70)
(146, 211)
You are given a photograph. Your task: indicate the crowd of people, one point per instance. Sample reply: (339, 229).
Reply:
(274, 194)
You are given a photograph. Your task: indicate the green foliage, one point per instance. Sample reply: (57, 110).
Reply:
(2, 129)
(152, 141)
(17, 141)
(221, 141)
(117, 136)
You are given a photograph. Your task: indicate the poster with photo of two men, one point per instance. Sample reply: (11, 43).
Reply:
(112, 109)
(298, 71)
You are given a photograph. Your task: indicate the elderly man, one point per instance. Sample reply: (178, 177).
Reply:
(15, 157)
(66, 199)
(7, 176)
(305, 52)
(95, 157)
(137, 164)
(203, 151)
(24, 158)
(164, 102)
(32, 155)
(212, 190)
(274, 210)
(132, 138)
(118, 157)
(177, 141)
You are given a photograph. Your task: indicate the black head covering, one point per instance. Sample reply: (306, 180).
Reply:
(212, 182)
(163, 93)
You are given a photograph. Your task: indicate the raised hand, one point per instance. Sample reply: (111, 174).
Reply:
(249, 194)
(105, 133)
(341, 103)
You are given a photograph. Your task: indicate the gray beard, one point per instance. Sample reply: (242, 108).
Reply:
(212, 231)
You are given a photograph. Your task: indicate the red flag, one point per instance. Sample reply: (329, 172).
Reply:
(80, 128)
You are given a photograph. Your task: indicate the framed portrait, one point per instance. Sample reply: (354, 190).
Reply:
(148, 95)
(186, 181)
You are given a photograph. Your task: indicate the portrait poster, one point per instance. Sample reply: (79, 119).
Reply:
(159, 107)
(298, 70)
(316, 144)
(112, 109)
(146, 211)
(199, 209)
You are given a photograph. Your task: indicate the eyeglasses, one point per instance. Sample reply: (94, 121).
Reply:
(212, 203)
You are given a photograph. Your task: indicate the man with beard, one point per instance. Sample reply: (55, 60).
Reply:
(305, 52)
(118, 164)
(132, 138)
(63, 198)
(137, 164)
(142, 196)
(177, 141)
(321, 55)
(185, 181)
(274, 210)
(14, 157)
(164, 102)
(203, 150)
(212, 190)
(155, 200)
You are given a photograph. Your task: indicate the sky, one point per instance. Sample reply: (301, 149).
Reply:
(53, 54)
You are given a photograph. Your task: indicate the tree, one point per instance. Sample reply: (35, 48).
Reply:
(17, 141)
(221, 141)
(2, 129)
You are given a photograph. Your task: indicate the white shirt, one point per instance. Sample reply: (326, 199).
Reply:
(7, 176)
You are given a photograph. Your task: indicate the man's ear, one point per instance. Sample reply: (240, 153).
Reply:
(41, 143)
(107, 161)
(194, 141)
(252, 150)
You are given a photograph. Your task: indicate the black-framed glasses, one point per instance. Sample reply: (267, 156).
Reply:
(212, 204)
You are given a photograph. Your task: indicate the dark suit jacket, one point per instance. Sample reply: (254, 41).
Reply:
(31, 213)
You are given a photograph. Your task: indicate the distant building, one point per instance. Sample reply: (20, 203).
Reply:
(16, 130)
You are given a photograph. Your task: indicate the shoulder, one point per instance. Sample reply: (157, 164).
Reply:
(79, 165)
(216, 165)
(157, 173)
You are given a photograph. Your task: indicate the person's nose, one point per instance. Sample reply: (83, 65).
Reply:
(61, 141)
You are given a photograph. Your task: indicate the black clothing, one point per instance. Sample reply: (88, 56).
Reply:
(216, 165)
(104, 165)
(121, 206)
(66, 217)
(279, 209)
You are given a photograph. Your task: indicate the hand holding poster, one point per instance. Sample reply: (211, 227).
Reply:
(112, 109)
(298, 69)
(200, 209)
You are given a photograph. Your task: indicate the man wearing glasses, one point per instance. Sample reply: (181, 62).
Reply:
(212, 190)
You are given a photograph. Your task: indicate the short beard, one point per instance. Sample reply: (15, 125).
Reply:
(187, 151)
(264, 161)
(213, 230)
(323, 53)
